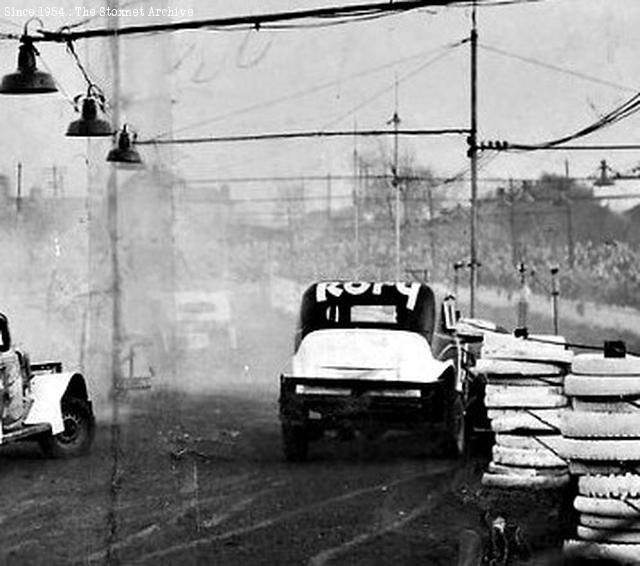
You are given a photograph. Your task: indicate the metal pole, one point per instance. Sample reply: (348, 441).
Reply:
(396, 121)
(473, 156)
(116, 335)
(554, 298)
(19, 188)
(356, 204)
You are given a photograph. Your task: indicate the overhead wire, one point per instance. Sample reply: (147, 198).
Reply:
(553, 67)
(301, 93)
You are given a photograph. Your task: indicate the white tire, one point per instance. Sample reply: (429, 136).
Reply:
(527, 398)
(502, 470)
(508, 347)
(526, 458)
(628, 508)
(555, 380)
(510, 368)
(591, 405)
(601, 386)
(508, 420)
(538, 390)
(597, 364)
(608, 535)
(551, 442)
(601, 449)
(583, 424)
(617, 523)
(515, 481)
(610, 486)
(620, 553)
(599, 468)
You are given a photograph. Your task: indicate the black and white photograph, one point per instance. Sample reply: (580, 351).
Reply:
(319, 282)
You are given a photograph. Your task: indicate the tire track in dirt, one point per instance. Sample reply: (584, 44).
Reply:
(286, 516)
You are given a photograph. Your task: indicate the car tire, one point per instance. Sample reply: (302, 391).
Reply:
(455, 426)
(295, 442)
(79, 430)
(551, 442)
(526, 458)
(602, 522)
(509, 420)
(627, 485)
(597, 365)
(629, 508)
(526, 482)
(587, 550)
(585, 424)
(617, 450)
(608, 535)
(601, 386)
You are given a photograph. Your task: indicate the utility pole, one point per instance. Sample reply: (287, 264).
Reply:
(116, 298)
(512, 221)
(329, 196)
(356, 202)
(473, 156)
(19, 188)
(395, 120)
(554, 297)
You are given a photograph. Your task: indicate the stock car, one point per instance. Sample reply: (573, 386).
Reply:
(371, 357)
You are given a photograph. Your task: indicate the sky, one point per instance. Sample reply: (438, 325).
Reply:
(218, 83)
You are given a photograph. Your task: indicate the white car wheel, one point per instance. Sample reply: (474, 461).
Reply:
(629, 508)
(511, 481)
(583, 424)
(597, 364)
(620, 553)
(601, 386)
(516, 368)
(526, 458)
(610, 486)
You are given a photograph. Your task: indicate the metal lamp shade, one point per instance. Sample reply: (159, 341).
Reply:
(27, 79)
(89, 125)
(124, 153)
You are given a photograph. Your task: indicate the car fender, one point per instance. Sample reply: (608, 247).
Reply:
(47, 391)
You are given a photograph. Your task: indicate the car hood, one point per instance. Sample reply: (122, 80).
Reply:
(365, 353)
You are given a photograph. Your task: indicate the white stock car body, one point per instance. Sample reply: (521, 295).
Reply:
(368, 357)
(60, 416)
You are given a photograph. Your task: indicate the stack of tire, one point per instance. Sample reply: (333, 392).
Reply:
(525, 400)
(602, 443)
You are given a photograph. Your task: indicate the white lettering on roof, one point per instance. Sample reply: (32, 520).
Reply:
(409, 290)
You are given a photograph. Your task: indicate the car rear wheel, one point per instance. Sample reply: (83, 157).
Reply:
(295, 442)
(456, 432)
(77, 436)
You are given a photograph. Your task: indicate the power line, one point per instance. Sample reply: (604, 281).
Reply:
(297, 135)
(556, 68)
(602, 147)
(256, 21)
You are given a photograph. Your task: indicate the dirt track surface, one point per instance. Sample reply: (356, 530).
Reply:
(208, 485)
(199, 478)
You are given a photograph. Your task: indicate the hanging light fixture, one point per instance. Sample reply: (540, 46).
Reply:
(89, 125)
(124, 153)
(27, 79)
